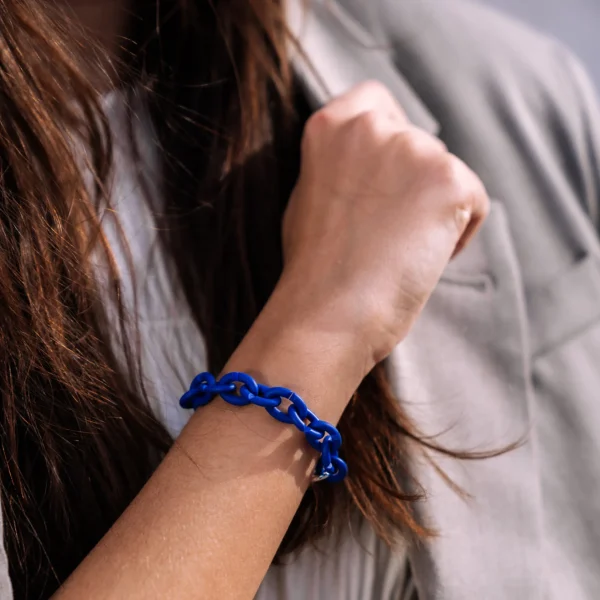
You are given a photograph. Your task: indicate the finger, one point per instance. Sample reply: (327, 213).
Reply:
(370, 96)
(418, 144)
(472, 212)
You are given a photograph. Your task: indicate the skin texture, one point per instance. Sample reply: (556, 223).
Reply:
(379, 209)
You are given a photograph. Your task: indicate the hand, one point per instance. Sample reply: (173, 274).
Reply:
(379, 209)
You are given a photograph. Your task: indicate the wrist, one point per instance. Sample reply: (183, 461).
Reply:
(371, 324)
(304, 350)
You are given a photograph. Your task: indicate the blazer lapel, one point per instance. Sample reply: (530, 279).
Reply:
(463, 370)
(338, 53)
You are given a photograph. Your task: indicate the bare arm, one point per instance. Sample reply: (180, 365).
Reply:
(365, 242)
(208, 523)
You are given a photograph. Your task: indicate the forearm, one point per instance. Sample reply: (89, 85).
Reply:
(209, 521)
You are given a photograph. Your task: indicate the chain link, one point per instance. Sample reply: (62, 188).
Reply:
(239, 389)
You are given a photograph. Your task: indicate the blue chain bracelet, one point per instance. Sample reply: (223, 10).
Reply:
(240, 389)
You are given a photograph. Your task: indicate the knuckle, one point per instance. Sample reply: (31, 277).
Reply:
(475, 195)
(450, 175)
(321, 120)
(453, 177)
(367, 127)
(368, 121)
(463, 189)
(319, 127)
(419, 147)
(372, 86)
(480, 201)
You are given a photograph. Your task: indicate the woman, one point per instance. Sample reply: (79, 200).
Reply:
(113, 265)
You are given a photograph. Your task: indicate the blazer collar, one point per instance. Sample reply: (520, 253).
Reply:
(336, 52)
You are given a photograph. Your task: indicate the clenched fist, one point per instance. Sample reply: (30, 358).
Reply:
(379, 209)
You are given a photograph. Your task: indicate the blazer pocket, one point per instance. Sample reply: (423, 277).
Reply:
(565, 323)
(462, 376)
(467, 344)
(565, 308)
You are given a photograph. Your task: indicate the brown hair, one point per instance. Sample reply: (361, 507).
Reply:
(78, 439)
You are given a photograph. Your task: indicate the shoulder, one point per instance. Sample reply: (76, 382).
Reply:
(458, 44)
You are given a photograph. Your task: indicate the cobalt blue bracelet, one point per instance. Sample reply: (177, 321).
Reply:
(240, 389)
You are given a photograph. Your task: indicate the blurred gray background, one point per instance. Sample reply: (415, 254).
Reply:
(576, 22)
